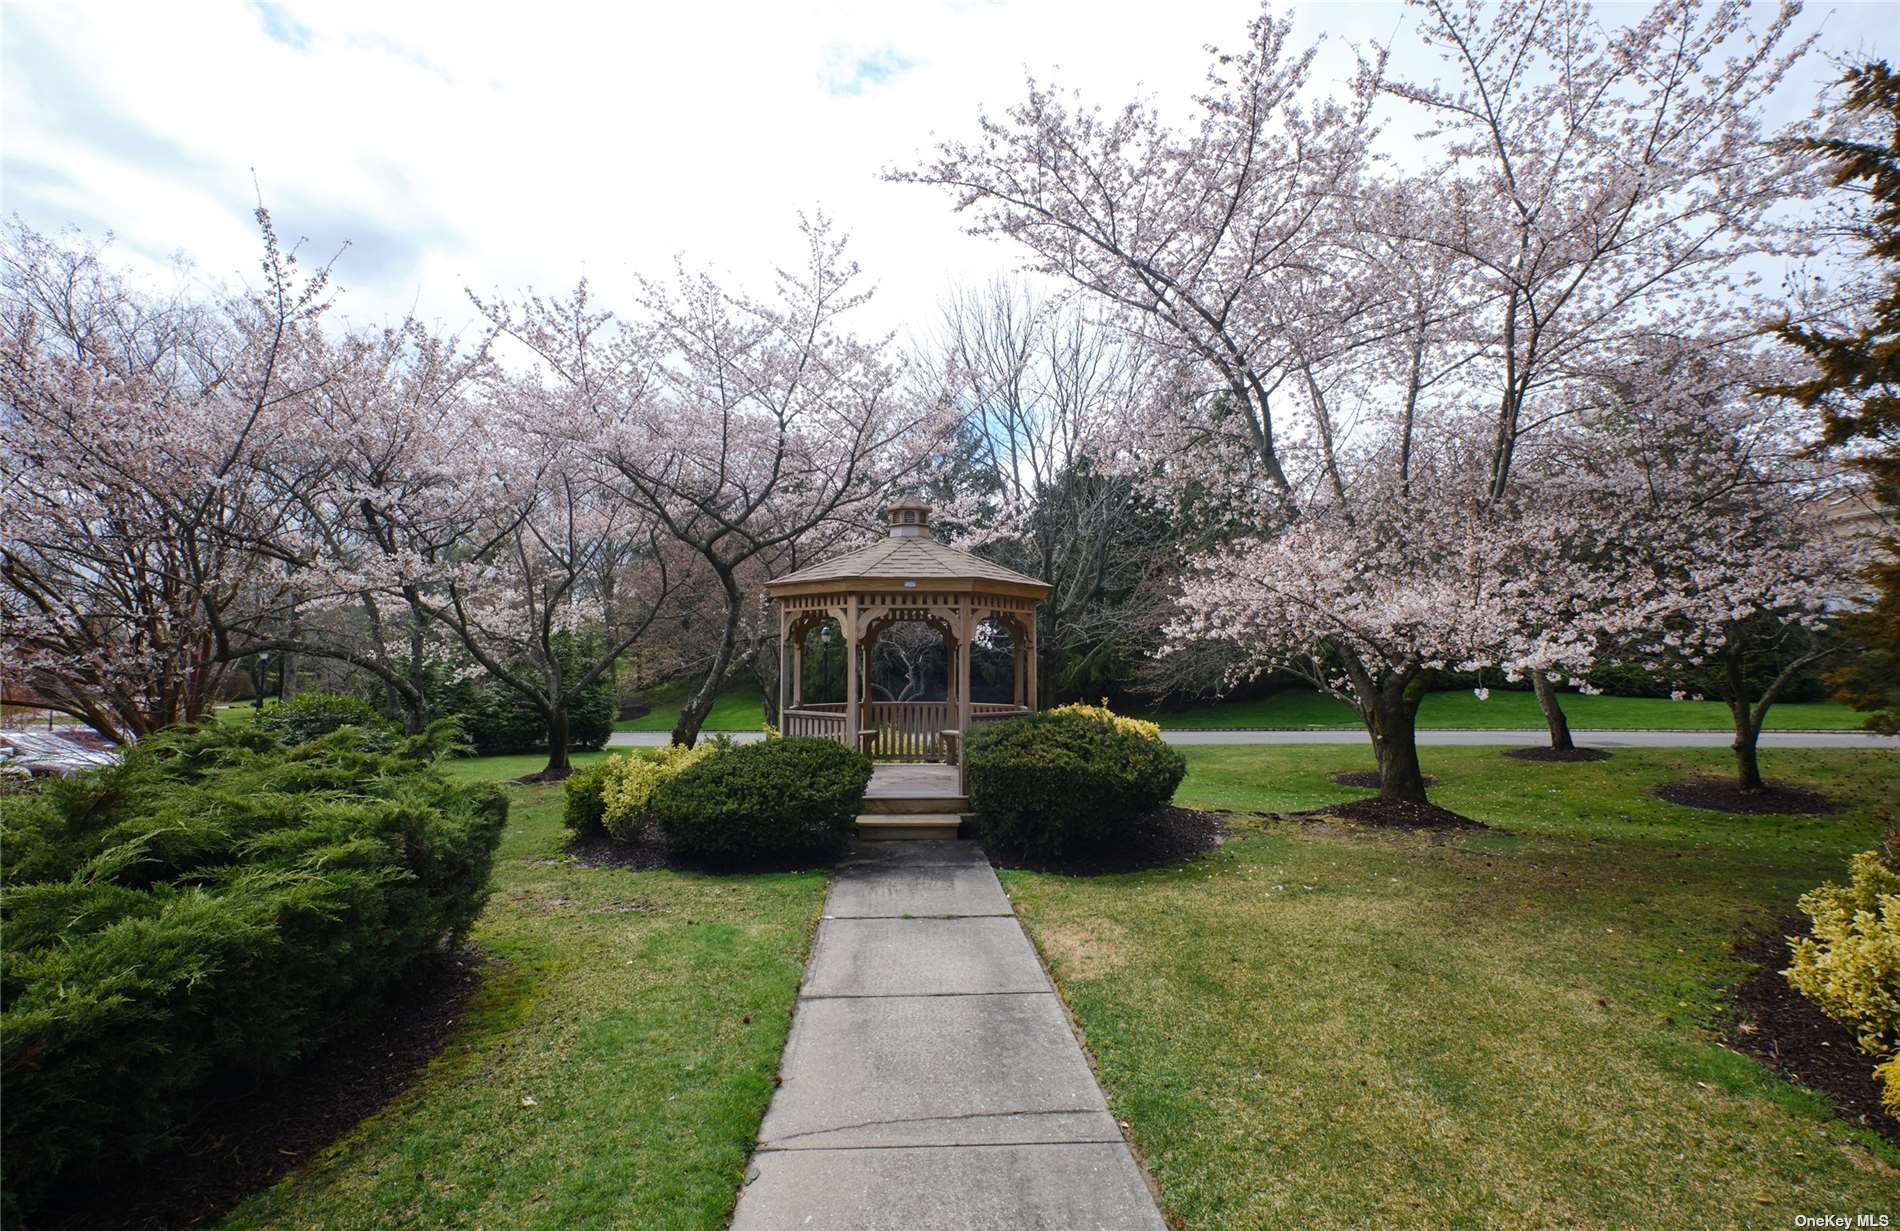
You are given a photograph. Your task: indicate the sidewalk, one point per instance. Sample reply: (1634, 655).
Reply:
(931, 1080)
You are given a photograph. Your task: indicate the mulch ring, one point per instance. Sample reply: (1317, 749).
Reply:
(1785, 1031)
(1163, 838)
(244, 1141)
(1725, 795)
(1389, 814)
(1368, 779)
(1558, 755)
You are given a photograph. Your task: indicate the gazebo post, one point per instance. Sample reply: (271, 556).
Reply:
(851, 740)
(963, 671)
(782, 654)
(798, 669)
(1029, 693)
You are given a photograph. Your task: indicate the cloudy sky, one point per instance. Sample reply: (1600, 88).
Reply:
(477, 145)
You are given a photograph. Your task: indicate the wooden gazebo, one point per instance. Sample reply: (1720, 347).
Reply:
(907, 576)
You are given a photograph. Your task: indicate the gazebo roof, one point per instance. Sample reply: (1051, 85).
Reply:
(909, 552)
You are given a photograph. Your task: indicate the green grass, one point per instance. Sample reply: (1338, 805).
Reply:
(1294, 709)
(1346, 1028)
(643, 1012)
(740, 708)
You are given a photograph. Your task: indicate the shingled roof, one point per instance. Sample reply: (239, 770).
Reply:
(909, 552)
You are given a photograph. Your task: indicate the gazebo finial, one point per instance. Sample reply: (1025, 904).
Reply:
(908, 519)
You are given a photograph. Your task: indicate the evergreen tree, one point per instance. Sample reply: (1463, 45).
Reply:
(1856, 388)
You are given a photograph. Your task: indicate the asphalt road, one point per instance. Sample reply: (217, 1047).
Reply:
(1503, 739)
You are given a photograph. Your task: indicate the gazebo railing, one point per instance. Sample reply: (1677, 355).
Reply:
(820, 721)
(909, 730)
(899, 730)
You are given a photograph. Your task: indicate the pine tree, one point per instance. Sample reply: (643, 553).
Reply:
(1856, 388)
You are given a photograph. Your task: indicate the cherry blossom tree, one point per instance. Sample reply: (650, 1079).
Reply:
(1722, 557)
(383, 483)
(133, 422)
(1586, 183)
(1349, 326)
(523, 597)
(744, 426)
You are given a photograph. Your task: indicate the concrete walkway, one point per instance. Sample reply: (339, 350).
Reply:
(1504, 739)
(931, 1080)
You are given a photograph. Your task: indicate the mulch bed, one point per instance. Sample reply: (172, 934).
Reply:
(1558, 755)
(245, 1140)
(1783, 1029)
(1724, 795)
(1391, 814)
(1368, 779)
(650, 851)
(1163, 838)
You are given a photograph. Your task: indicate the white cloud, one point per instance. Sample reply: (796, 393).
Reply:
(491, 145)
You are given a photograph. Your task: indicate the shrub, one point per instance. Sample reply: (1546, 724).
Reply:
(628, 786)
(1101, 713)
(782, 797)
(583, 805)
(309, 715)
(1054, 783)
(213, 904)
(1850, 967)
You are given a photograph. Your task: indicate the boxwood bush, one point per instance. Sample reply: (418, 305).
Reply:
(1055, 783)
(777, 798)
(211, 906)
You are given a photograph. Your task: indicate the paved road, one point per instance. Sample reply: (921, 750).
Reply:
(1506, 739)
(931, 1081)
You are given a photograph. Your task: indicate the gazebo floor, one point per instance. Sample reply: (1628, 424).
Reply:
(912, 801)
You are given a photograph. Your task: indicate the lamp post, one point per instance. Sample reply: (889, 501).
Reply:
(824, 655)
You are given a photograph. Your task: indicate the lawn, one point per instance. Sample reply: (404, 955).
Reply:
(1295, 709)
(642, 1012)
(740, 708)
(1336, 1028)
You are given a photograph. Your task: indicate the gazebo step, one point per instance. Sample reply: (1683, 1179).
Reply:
(899, 805)
(876, 826)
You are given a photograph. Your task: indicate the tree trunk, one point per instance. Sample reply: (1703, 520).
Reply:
(1747, 767)
(559, 766)
(693, 713)
(1747, 724)
(1554, 719)
(1393, 724)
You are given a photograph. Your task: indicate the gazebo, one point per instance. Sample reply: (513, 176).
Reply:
(907, 576)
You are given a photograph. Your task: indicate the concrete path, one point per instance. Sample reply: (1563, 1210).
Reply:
(1505, 739)
(931, 1080)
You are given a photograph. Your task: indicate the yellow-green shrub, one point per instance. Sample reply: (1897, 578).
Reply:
(627, 786)
(1121, 722)
(1850, 968)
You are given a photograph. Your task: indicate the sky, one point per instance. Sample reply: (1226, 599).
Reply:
(486, 147)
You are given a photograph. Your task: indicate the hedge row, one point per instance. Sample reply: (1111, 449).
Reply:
(212, 905)
(782, 798)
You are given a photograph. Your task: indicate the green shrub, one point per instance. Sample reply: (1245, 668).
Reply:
(583, 807)
(213, 904)
(782, 797)
(627, 793)
(1850, 966)
(1054, 783)
(311, 714)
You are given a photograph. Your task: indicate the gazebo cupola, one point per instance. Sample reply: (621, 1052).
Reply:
(907, 576)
